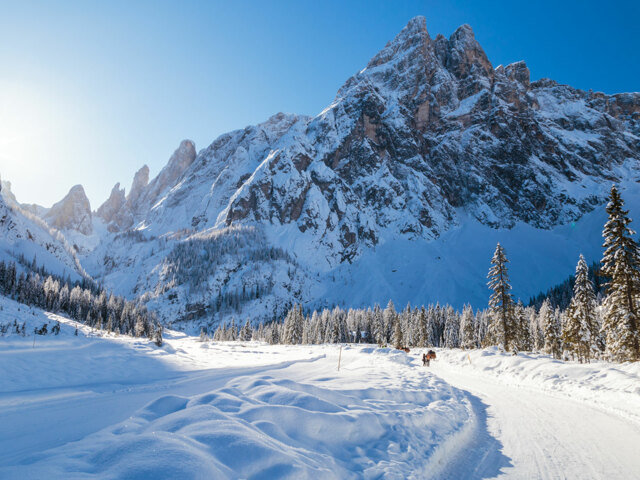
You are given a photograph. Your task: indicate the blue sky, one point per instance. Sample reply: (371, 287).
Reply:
(90, 91)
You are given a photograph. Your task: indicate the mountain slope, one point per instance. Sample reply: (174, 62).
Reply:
(398, 189)
(25, 236)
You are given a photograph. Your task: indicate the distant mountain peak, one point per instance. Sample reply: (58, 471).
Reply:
(73, 212)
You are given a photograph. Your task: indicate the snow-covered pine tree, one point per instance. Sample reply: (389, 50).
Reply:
(139, 328)
(307, 332)
(288, 326)
(621, 264)
(423, 329)
(273, 334)
(318, 329)
(481, 327)
(359, 325)
(246, 332)
(330, 334)
(232, 333)
(467, 328)
(451, 328)
(551, 329)
(378, 326)
(340, 325)
(389, 315)
(501, 308)
(580, 333)
(157, 337)
(298, 326)
(398, 336)
(406, 323)
(523, 334)
(537, 337)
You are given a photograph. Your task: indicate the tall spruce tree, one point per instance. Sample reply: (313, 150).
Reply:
(293, 326)
(467, 328)
(580, 334)
(551, 329)
(522, 332)
(398, 335)
(501, 307)
(423, 328)
(621, 264)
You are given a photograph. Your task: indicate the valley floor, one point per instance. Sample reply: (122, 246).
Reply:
(93, 407)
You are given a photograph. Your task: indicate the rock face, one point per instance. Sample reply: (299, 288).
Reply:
(109, 209)
(427, 131)
(73, 212)
(121, 212)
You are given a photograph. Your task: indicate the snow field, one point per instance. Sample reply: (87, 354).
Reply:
(92, 406)
(118, 407)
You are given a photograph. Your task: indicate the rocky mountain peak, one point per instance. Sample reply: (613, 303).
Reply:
(428, 128)
(113, 205)
(121, 212)
(184, 156)
(140, 181)
(519, 72)
(411, 43)
(73, 212)
(465, 55)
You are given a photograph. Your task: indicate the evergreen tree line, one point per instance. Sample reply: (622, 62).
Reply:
(201, 260)
(193, 261)
(430, 326)
(591, 326)
(82, 301)
(560, 295)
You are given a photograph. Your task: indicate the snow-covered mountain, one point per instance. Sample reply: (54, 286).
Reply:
(24, 236)
(73, 212)
(428, 127)
(122, 212)
(398, 189)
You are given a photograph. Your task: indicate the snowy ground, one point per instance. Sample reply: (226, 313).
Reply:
(115, 407)
(549, 419)
(78, 407)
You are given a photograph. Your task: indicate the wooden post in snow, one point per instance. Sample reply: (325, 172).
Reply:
(339, 357)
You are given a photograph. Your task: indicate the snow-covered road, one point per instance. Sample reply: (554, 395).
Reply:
(539, 435)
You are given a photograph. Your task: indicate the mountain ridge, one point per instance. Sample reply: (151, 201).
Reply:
(429, 138)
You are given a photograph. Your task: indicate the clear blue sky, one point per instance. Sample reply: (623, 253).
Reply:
(90, 91)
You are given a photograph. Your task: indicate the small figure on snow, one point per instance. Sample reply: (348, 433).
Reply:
(427, 357)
